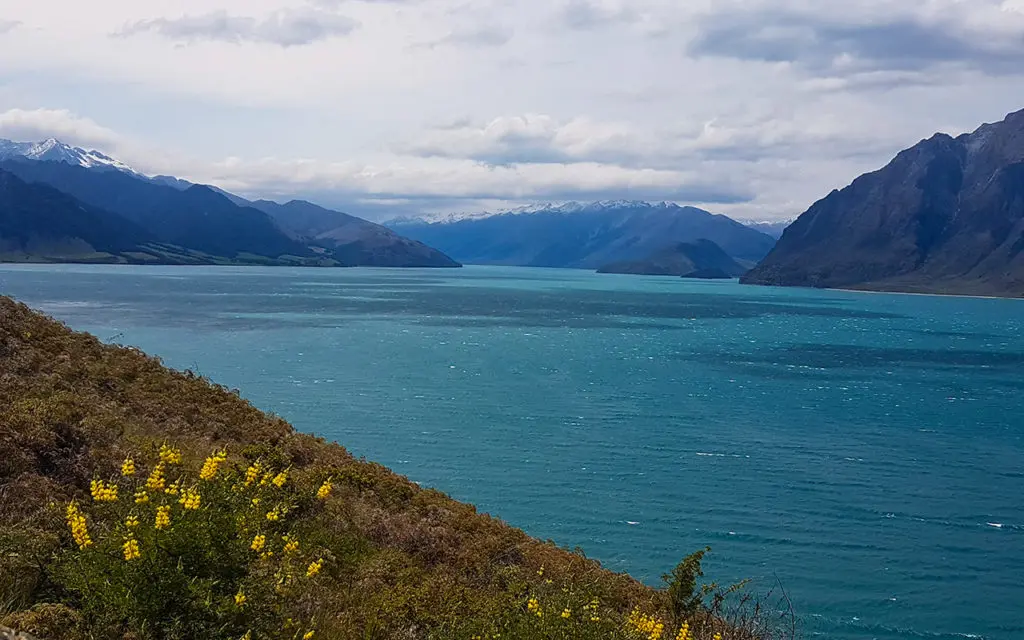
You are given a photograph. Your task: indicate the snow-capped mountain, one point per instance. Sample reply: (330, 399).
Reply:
(54, 150)
(569, 207)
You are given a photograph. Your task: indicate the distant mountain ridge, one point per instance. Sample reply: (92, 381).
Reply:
(944, 216)
(192, 222)
(581, 235)
(700, 259)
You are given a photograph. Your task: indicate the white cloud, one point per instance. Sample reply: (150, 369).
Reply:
(8, 25)
(286, 27)
(25, 125)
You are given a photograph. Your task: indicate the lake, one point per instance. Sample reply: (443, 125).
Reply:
(865, 450)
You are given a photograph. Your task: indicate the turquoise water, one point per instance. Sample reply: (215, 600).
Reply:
(866, 450)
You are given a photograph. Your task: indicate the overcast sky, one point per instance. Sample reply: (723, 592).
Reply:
(751, 108)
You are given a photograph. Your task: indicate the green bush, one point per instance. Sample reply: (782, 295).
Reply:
(165, 553)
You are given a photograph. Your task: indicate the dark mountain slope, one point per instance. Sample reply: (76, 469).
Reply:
(352, 240)
(687, 259)
(197, 217)
(39, 223)
(585, 236)
(945, 216)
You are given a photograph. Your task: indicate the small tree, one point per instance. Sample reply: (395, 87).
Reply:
(684, 596)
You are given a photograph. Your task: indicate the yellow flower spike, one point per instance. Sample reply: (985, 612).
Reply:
(718, 636)
(252, 473)
(258, 542)
(169, 454)
(155, 481)
(103, 491)
(566, 613)
(280, 479)
(141, 497)
(128, 467)
(79, 528)
(266, 478)
(210, 465)
(174, 488)
(308, 635)
(324, 491)
(131, 549)
(273, 516)
(255, 502)
(314, 567)
(290, 545)
(163, 517)
(240, 599)
(131, 521)
(190, 499)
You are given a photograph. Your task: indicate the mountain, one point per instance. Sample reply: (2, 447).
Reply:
(53, 150)
(39, 222)
(197, 218)
(700, 259)
(350, 239)
(944, 216)
(581, 235)
(771, 228)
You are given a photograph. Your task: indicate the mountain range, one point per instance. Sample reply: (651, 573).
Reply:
(944, 216)
(169, 220)
(582, 235)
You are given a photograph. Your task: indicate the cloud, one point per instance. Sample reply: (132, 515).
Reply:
(858, 38)
(37, 124)
(481, 35)
(284, 27)
(592, 14)
(750, 136)
(8, 25)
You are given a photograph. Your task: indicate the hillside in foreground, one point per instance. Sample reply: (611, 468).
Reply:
(141, 502)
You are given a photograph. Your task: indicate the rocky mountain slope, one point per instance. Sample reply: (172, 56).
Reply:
(944, 216)
(579, 235)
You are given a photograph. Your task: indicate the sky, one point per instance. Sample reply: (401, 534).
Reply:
(383, 108)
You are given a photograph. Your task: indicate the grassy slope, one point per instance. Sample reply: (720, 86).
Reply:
(71, 408)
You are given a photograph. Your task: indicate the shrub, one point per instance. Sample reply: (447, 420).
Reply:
(164, 552)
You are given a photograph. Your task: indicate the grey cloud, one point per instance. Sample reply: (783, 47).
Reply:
(477, 36)
(586, 14)
(285, 28)
(8, 25)
(816, 42)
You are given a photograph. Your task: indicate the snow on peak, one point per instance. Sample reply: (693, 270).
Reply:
(567, 207)
(54, 150)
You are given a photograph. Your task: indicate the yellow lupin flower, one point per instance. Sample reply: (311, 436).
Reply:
(314, 567)
(274, 515)
(266, 478)
(173, 488)
(131, 549)
(252, 473)
(131, 521)
(540, 572)
(255, 502)
(209, 470)
(128, 467)
(718, 636)
(163, 517)
(325, 490)
(79, 528)
(190, 499)
(169, 454)
(290, 544)
(103, 491)
(240, 599)
(258, 542)
(280, 479)
(566, 613)
(141, 497)
(155, 481)
(308, 635)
